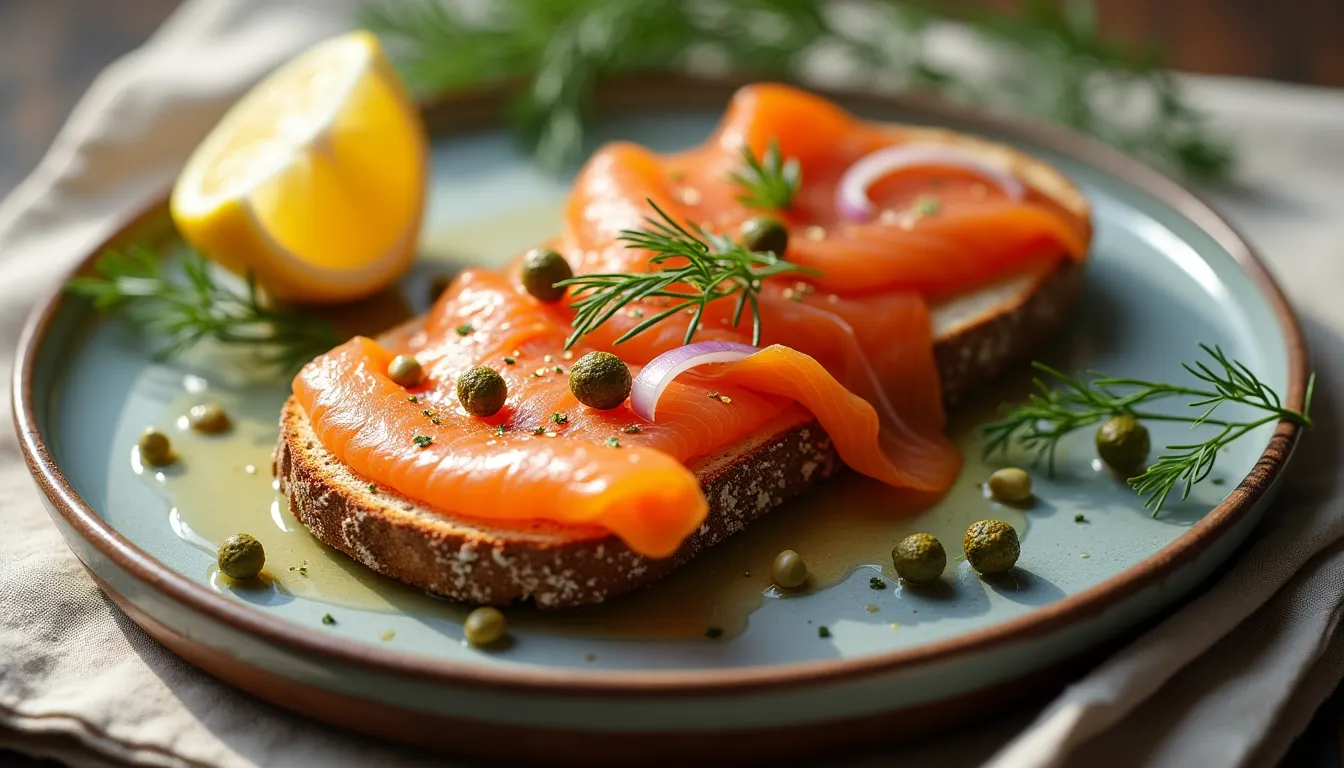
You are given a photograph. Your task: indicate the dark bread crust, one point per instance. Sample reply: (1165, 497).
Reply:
(493, 563)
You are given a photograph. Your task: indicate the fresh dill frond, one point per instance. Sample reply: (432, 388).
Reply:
(1055, 63)
(196, 306)
(769, 183)
(708, 268)
(1067, 404)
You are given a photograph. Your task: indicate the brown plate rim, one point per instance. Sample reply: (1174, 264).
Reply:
(479, 109)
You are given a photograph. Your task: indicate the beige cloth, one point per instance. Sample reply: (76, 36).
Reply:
(1229, 680)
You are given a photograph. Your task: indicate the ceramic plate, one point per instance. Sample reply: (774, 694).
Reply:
(329, 638)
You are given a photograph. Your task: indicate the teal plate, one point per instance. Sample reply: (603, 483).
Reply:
(1165, 273)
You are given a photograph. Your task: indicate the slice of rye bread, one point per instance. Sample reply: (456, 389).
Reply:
(496, 562)
(493, 562)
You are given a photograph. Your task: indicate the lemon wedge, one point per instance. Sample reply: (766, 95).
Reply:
(314, 182)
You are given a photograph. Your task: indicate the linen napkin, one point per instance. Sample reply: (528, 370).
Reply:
(1229, 680)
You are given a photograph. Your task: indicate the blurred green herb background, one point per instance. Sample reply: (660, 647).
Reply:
(1050, 62)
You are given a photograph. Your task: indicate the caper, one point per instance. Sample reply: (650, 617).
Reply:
(600, 380)
(210, 418)
(155, 450)
(241, 557)
(405, 370)
(485, 626)
(765, 233)
(1122, 442)
(482, 391)
(789, 571)
(1011, 485)
(542, 269)
(991, 546)
(919, 558)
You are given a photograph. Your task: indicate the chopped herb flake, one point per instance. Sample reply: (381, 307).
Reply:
(558, 369)
(538, 430)
(632, 429)
(424, 441)
(464, 329)
(373, 488)
(1080, 518)
(713, 395)
(613, 442)
(559, 418)
(928, 205)
(876, 583)
(823, 632)
(510, 360)
(1217, 481)
(713, 633)
(501, 429)
(413, 398)
(327, 618)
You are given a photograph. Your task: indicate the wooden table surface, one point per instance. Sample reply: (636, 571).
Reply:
(50, 50)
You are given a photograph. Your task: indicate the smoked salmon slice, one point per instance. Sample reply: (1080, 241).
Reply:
(849, 343)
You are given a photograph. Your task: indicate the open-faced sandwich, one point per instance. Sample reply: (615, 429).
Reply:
(711, 333)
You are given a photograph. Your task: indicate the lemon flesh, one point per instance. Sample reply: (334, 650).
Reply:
(314, 182)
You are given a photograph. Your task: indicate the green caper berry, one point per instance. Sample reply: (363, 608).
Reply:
(1122, 442)
(789, 571)
(542, 269)
(919, 558)
(155, 449)
(210, 418)
(765, 234)
(241, 557)
(406, 371)
(482, 391)
(600, 380)
(1010, 485)
(991, 546)
(485, 626)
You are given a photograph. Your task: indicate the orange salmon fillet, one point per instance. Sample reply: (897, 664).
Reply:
(852, 345)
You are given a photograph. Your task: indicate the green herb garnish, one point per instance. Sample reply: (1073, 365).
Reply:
(509, 361)
(927, 205)
(327, 618)
(823, 632)
(768, 183)
(1050, 414)
(613, 442)
(1058, 66)
(197, 307)
(632, 429)
(713, 633)
(373, 488)
(424, 441)
(538, 430)
(1080, 518)
(412, 398)
(559, 418)
(876, 583)
(464, 329)
(501, 429)
(715, 268)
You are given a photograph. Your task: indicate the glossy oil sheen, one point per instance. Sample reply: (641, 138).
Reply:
(1156, 285)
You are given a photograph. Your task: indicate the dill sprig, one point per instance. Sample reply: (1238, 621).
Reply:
(1055, 64)
(768, 183)
(1053, 412)
(707, 268)
(197, 307)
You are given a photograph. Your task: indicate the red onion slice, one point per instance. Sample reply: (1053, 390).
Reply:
(851, 194)
(661, 370)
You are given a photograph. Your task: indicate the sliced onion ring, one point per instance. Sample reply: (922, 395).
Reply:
(851, 194)
(661, 370)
